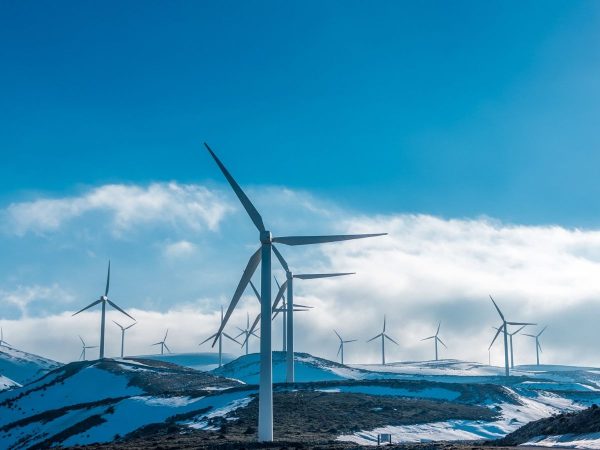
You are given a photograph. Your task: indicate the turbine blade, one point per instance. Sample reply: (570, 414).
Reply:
(255, 335)
(134, 323)
(337, 334)
(158, 343)
(427, 338)
(118, 309)
(241, 334)
(497, 309)
(339, 350)
(254, 324)
(351, 340)
(87, 307)
(207, 339)
(302, 306)
(230, 338)
(81, 339)
(107, 280)
(386, 336)
(384, 323)
(521, 323)
(441, 342)
(517, 332)
(530, 335)
(540, 347)
(282, 261)
(167, 347)
(306, 240)
(255, 291)
(312, 276)
(543, 329)
(246, 203)
(438, 328)
(248, 272)
(118, 324)
(165, 338)
(279, 295)
(373, 338)
(496, 335)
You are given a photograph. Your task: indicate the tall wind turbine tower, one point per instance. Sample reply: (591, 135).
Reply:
(104, 300)
(510, 338)
(504, 329)
(383, 337)
(341, 347)
(538, 347)
(220, 337)
(436, 339)
(263, 256)
(123, 329)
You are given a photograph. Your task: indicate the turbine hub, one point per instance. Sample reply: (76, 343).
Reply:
(289, 275)
(104, 298)
(266, 237)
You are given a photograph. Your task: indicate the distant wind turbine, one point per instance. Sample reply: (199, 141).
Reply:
(538, 347)
(123, 334)
(2, 341)
(504, 329)
(84, 347)
(163, 344)
(220, 341)
(104, 300)
(383, 337)
(247, 332)
(283, 311)
(341, 347)
(436, 339)
(263, 256)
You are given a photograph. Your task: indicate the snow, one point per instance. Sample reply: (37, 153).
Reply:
(511, 418)
(431, 393)
(23, 367)
(590, 440)
(7, 383)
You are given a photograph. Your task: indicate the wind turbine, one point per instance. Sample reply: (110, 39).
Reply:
(220, 340)
(247, 332)
(436, 339)
(342, 342)
(383, 337)
(2, 341)
(84, 347)
(288, 285)
(538, 347)
(283, 311)
(504, 329)
(263, 256)
(123, 334)
(510, 337)
(163, 344)
(104, 300)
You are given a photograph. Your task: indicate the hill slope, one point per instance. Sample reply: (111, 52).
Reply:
(23, 367)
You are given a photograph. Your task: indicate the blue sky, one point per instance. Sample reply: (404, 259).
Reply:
(467, 130)
(454, 109)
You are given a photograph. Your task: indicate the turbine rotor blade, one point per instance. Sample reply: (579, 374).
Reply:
(312, 276)
(441, 342)
(517, 332)
(373, 338)
(282, 261)
(307, 240)
(118, 324)
(168, 349)
(107, 280)
(351, 340)
(88, 306)
(279, 295)
(543, 329)
(246, 203)
(207, 339)
(520, 323)
(248, 272)
(81, 339)
(496, 335)
(339, 350)
(337, 334)
(255, 291)
(134, 323)
(230, 338)
(118, 309)
(386, 336)
(497, 309)
(427, 338)
(438, 328)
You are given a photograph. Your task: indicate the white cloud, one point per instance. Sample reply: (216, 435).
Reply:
(23, 296)
(179, 249)
(191, 206)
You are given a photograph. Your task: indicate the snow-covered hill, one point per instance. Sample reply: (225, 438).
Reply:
(198, 361)
(23, 367)
(93, 401)
(307, 368)
(7, 383)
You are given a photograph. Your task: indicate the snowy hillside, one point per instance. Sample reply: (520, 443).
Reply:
(307, 368)
(92, 401)
(23, 367)
(198, 361)
(7, 383)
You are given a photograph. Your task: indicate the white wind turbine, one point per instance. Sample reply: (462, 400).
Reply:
(538, 347)
(510, 338)
(263, 256)
(247, 332)
(104, 300)
(123, 329)
(2, 341)
(383, 337)
(436, 339)
(283, 311)
(163, 344)
(84, 348)
(288, 285)
(504, 329)
(220, 340)
(341, 347)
